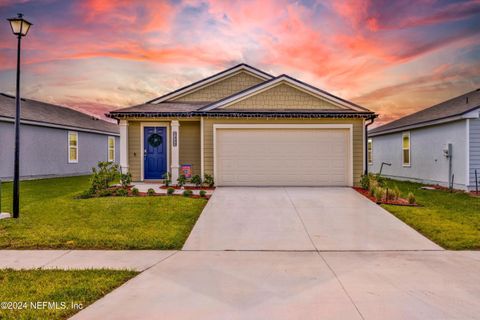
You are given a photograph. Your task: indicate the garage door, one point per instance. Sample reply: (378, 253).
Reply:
(282, 157)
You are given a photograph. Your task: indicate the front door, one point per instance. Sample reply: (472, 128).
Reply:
(155, 152)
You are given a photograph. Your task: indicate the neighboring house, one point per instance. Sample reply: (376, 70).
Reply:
(54, 140)
(432, 145)
(246, 128)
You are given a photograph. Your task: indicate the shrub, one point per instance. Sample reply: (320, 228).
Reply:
(208, 180)
(151, 192)
(373, 185)
(168, 178)
(396, 192)
(411, 198)
(181, 180)
(196, 180)
(380, 180)
(365, 182)
(125, 179)
(389, 194)
(187, 193)
(86, 194)
(103, 175)
(170, 191)
(135, 191)
(203, 193)
(121, 192)
(105, 193)
(379, 193)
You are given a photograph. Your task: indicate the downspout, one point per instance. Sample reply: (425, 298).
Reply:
(372, 119)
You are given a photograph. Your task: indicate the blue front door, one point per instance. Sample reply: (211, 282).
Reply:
(155, 152)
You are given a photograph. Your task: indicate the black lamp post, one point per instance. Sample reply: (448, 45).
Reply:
(20, 28)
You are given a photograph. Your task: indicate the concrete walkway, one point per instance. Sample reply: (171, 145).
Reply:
(138, 260)
(301, 219)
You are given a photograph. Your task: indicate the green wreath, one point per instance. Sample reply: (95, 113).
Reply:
(155, 140)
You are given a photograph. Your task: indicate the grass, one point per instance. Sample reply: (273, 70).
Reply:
(27, 287)
(51, 217)
(452, 220)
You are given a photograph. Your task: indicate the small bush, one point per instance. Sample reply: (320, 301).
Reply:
(208, 180)
(396, 192)
(389, 194)
(125, 179)
(187, 193)
(103, 175)
(151, 192)
(411, 198)
(135, 191)
(203, 193)
(372, 186)
(121, 192)
(365, 182)
(168, 178)
(170, 191)
(181, 180)
(380, 180)
(379, 193)
(105, 193)
(86, 194)
(196, 180)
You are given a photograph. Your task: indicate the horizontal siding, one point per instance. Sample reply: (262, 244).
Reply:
(357, 137)
(190, 145)
(474, 139)
(134, 155)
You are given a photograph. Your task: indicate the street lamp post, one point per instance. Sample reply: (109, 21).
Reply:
(20, 28)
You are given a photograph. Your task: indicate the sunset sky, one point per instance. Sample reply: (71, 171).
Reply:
(393, 57)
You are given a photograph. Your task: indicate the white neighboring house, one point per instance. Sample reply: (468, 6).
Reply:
(438, 145)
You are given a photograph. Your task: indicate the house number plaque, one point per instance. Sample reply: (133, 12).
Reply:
(174, 138)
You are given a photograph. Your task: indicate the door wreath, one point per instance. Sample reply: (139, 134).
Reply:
(155, 140)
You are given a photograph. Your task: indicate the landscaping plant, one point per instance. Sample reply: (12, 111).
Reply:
(125, 179)
(411, 198)
(365, 181)
(121, 192)
(104, 193)
(203, 193)
(187, 193)
(168, 178)
(181, 181)
(170, 191)
(208, 180)
(379, 193)
(103, 175)
(196, 180)
(135, 191)
(151, 192)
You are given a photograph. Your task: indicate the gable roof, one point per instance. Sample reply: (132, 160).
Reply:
(49, 115)
(341, 103)
(208, 80)
(449, 110)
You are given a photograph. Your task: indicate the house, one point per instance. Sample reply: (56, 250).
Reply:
(438, 145)
(54, 140)
(246, 127)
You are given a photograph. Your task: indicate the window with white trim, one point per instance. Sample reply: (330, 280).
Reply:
(370, 151)
(72, 147)
(406, 156)
(111, 149)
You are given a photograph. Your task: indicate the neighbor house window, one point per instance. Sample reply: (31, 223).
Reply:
(72, 147)
(406, 148)
(111, 149)
(370, 151)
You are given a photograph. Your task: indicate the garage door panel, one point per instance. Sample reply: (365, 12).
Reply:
(263, 157)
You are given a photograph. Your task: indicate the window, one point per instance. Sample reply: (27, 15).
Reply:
(72, 147)
(111, 149)
(370, 151)
(406, 149)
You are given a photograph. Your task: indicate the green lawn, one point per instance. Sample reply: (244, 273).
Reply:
(52, 218)
(451, 220)
(30, 289)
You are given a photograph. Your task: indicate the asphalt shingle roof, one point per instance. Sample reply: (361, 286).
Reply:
(450, 108)
(46, 113)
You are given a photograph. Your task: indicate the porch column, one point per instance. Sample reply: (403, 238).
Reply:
(175, 142)
(123, 146)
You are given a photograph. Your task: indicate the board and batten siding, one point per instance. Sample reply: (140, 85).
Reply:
(358, 143)
(474, 138)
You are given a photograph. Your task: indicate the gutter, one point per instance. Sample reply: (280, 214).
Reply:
(372, 119)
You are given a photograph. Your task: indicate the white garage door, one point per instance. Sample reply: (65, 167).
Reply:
(282, 157)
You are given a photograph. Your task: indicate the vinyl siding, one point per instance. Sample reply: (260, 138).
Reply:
(282, 96)
(190, 145)
(134, 155)
(357, 137)
(474, 139)
(221, 88)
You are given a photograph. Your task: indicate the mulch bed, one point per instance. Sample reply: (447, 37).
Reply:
(188, 188)
(398, 202)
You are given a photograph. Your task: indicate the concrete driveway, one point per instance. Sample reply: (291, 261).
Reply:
(299, 219)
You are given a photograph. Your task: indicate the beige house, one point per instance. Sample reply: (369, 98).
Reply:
(246, 128)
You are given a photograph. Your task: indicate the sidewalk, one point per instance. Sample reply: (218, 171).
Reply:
(138, 260)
